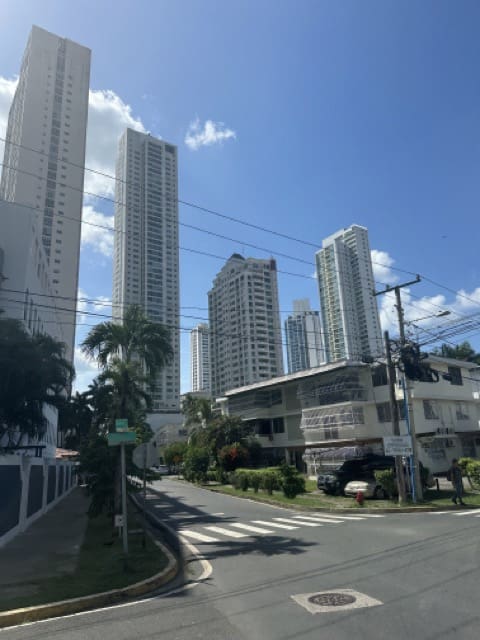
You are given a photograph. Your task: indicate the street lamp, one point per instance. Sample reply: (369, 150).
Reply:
(439, 314)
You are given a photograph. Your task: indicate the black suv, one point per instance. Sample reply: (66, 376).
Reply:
(334, 481)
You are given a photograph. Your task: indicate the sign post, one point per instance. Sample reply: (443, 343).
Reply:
(145, 455)
(121, 437)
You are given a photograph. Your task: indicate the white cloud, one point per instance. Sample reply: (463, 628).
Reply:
(108, 117)
(86, 370)
(97, 238)
(381, 265)
(211, 133)
(7, 89)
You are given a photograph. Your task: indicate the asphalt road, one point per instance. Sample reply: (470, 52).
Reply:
(421, 570)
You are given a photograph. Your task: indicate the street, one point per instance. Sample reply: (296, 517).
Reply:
(418, 573)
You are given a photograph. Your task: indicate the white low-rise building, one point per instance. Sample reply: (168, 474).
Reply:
(342, 409)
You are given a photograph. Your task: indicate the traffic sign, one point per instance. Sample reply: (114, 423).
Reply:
(145, 455)
(121, 425)
(116, 439)
(398, 445)
(119, 520)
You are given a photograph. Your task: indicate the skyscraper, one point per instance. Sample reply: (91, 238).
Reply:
(244, 320)
(348, 309)
(145, 257)
(45, 155)
(303, 332)
(200, 358)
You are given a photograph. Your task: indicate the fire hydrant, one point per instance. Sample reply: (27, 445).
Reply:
(359, 498)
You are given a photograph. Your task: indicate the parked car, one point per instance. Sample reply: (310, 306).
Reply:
(369, 489)
(161, 469)
(334, 481)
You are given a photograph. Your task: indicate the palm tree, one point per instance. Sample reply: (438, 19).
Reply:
(34, 373)
(137, 338)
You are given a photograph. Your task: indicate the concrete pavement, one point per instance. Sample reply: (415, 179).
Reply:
(48, 548)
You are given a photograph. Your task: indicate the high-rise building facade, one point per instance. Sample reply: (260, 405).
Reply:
(348, 308)
(244, 321)
(45, 155)
(303, 333)
(200, 358)
(145, 257)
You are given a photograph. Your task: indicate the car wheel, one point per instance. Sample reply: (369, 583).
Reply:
(380, 493)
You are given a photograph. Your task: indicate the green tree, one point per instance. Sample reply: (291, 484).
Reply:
(197, 411)
(463, 351)
(34, 373)
(174, 453)
(136, 339)
(196, 464)
(75, 420)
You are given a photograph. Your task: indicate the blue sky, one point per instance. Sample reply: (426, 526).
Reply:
(333, 113)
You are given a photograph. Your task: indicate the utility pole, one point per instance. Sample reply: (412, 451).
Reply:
(402, 496)
(417, 494)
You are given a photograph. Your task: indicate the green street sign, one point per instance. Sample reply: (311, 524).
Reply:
(121, 425)
(116, 439)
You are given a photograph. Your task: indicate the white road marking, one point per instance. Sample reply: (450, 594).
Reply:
(319, 519)
(335, 517)
(372, 515)
(220, 513)
(197, 536)
(467, 513)
(249, 527)
(227, 532)
(276, 525)
(301, 522)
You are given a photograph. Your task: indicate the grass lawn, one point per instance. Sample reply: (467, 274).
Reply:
(99, 568)
(318, 500)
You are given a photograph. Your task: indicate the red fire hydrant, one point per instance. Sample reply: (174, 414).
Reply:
(359, 498)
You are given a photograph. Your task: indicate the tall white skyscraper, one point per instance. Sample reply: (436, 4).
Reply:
(244, 321)
(45, 155)
(200, 358)
(303, 332)
(145, 257)
(348, 309)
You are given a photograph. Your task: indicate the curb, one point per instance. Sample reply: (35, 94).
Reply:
(94, 601)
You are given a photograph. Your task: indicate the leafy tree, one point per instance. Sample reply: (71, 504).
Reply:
(196, 464)
(34, 373)
(174, 453)
(232, 456)
(75, 420)
(463, 351)
(98, 463)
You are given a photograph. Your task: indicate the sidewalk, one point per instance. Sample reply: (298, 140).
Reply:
(48, 548)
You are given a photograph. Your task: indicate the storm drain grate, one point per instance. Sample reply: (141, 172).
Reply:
(334, 600)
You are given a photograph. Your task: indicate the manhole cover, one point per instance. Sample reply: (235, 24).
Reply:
(332, 599)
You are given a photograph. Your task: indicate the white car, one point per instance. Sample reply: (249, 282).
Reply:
(369, 488)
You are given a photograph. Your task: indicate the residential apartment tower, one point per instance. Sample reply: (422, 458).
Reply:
(244, 321)
(303, 333)
(348, 308)
(145, 260)
(200, 359)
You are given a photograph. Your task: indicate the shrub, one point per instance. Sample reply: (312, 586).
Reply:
(255, 481)
(386, 479)
(471, 468)
(270, 480)
(244, 482)
(232, 456)
(196, 463)
(292, 481)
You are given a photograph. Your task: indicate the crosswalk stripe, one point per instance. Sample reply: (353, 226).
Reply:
(197, 536)
(319, 519)
(372, 515)
(328, 515)
(227, 532)
(249, 527)
(276, 525)
(302, 522)
(467, 513)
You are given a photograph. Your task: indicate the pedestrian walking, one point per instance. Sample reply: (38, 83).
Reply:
(454, 474)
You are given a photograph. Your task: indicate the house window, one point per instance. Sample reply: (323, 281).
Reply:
(379, 376)
(456, 375)
(383, 412)
(429, 410)
(461, 411)
(278, 425)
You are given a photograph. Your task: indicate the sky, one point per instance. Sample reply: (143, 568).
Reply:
(302, 116)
